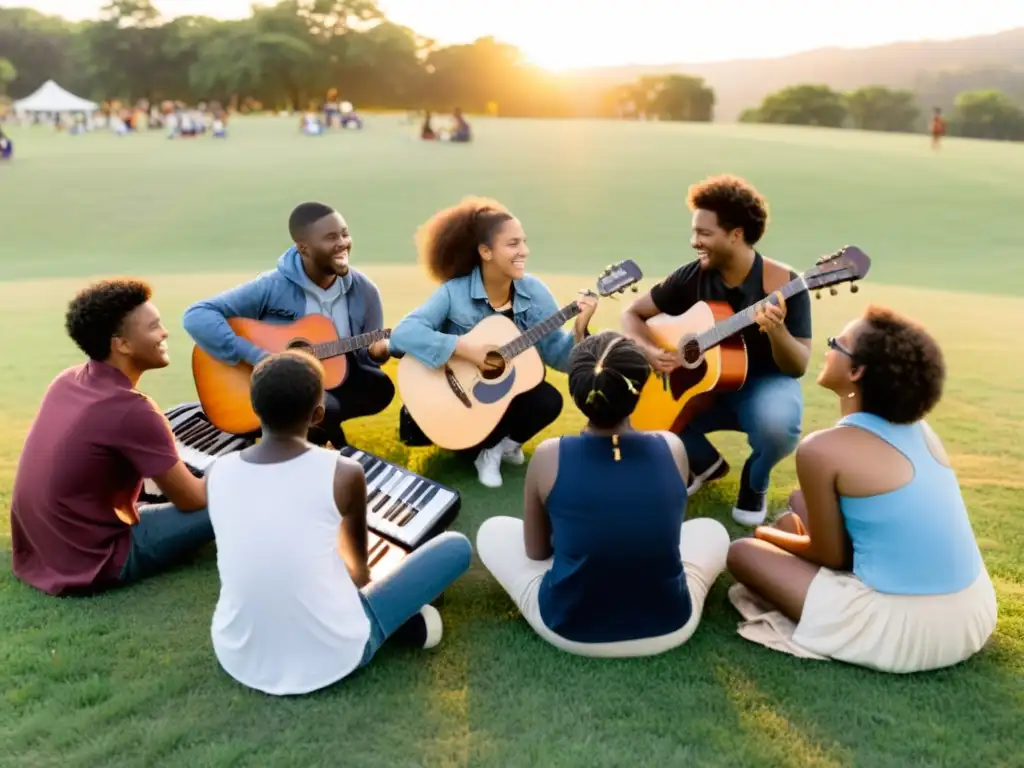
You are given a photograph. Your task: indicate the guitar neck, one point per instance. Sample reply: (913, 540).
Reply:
(339, 347)
(721, 331)
(535, 333)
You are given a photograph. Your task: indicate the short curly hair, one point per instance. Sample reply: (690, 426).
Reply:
(904, 370)
(735, 202)
(447, 242)
(96, 314)
(286, 388)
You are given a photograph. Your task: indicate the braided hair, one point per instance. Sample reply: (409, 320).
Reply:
(606, 373)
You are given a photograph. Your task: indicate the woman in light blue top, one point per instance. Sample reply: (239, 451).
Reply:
(877, 562)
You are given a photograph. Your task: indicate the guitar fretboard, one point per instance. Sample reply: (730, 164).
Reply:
(719, 332)
(338, 347)
(535, 333)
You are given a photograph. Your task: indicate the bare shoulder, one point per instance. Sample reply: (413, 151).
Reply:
(348, 473)
(547, 450)
(934, 443)
(823, 444)
(675, 443)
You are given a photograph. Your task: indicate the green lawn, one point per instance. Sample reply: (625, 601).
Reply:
(130, 678)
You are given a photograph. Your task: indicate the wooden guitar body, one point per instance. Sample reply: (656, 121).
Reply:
(223, 389)
(438, 410)
(670, 402)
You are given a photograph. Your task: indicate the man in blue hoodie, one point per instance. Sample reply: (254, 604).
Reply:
(313, 276)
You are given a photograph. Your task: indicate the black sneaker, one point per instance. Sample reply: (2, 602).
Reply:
(423, 630)
(751, 506)
(718, 469)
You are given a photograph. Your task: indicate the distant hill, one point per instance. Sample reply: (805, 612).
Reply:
(982, 61)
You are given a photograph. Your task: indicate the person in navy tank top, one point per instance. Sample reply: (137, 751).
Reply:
(602, 562)
(876, 562)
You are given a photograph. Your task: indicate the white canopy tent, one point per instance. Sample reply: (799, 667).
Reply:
(50, 97)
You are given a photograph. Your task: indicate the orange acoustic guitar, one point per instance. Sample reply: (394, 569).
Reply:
(457, 405)
(223, 389)
(713, 355)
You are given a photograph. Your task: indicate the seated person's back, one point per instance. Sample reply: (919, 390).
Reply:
(617, 570)
(916, 539)
(602, 563)
(289, 618)
(297, 609)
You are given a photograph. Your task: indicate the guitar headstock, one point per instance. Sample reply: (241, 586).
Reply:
(847, 265)
(617, 277)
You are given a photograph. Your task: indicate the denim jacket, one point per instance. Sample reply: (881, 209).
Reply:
(277, 296)
(430, 332)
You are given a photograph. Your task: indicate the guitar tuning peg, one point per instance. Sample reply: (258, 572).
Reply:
(854, 288)
(833, 291)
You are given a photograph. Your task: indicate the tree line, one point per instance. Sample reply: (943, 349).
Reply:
(290, 54)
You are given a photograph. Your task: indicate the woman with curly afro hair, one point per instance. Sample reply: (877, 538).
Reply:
(477, 251)
(876, 561)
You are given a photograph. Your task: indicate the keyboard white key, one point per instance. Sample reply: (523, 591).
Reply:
(400, 503)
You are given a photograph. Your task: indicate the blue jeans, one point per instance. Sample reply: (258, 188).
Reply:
(421, 577)
(164, 537)
(767, 409)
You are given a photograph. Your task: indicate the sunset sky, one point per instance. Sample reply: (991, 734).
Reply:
(562, 34)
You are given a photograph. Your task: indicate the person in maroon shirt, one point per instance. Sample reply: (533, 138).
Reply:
(75, 524)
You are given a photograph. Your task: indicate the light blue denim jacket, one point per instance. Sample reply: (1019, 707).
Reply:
(430, 332)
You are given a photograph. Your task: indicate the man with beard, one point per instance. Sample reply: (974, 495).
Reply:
(729, 218)
(313, 276)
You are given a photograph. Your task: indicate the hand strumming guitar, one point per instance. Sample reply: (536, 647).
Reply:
(476, 354)
(661, 360)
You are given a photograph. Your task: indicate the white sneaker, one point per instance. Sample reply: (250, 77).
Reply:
(488, 466)
(435, 627)
(512, 452)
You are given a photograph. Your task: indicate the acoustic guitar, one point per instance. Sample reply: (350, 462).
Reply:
(713, 355)
(457, 405)
(223, 389)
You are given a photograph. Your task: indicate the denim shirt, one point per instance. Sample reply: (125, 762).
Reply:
(431, 332)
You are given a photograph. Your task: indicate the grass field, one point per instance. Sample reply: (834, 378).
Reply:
(130, 679)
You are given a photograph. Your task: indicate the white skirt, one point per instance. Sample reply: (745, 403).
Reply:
(846, 620)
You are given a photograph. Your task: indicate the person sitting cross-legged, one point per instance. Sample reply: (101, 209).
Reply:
(298, 610)
(602, 563)
(877, 563)
(76, 525)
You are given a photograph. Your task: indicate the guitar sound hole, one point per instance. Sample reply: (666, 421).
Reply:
(691, 353)
(300, 344)
(496, 360)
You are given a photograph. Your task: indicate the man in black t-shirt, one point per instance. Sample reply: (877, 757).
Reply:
(729, 218)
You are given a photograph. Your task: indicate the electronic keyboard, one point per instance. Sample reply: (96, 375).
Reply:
(401, 506)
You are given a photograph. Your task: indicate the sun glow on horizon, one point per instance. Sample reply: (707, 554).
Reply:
(561, 35)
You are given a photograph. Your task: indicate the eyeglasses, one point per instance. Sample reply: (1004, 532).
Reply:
(833, 343)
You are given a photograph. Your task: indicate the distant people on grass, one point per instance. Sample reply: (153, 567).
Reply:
(877, 564)
(461, 131)
(427, 132)
(938, 127)
(348, 118)
(6, 146)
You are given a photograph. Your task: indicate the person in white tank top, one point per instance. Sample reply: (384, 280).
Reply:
(298, 610)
